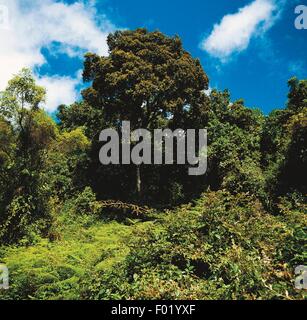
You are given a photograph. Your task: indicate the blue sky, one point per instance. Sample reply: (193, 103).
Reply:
(249, 47)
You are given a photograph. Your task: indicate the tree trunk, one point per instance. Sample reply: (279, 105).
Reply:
(138, 181)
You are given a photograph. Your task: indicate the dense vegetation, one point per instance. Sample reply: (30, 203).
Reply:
(71, 228)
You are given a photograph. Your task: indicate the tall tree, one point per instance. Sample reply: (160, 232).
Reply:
(146, 77)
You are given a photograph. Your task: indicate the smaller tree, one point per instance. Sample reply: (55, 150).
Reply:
(284, 149)
(21, 95)
(25, 203)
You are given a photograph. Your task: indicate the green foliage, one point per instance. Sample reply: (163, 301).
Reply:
(84, 201)
(239, 231)
(150, 80)
(28, 131)
(234, 146)
(284, 152)
(66, 163)
(56, 270)
(221, 247)
(21, 94)
(146, 75)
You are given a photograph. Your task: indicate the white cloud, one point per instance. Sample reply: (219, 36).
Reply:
(35, 24)
(60, 90)
(234, 32)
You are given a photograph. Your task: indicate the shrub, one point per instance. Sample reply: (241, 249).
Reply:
(221, 247)
(84, 201)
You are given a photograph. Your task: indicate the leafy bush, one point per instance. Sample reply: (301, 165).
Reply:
(221, 247)
(84, 201)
